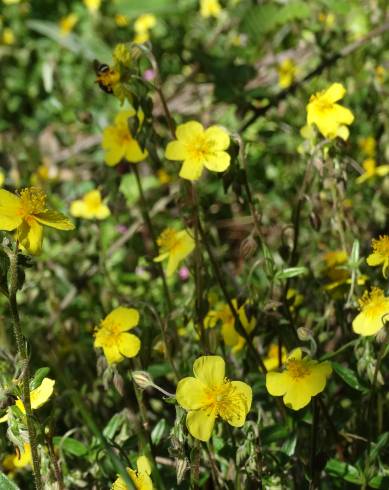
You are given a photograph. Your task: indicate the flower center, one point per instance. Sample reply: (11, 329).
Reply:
(93, 201)
(381, 246)
(168, 239)
(201, 148)
(110, 331)
(33, 201)
(321, 102)
(224, 400)
(298, 369)
(123, 134)
(372, 301)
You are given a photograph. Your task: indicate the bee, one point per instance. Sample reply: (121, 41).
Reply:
(107, 77)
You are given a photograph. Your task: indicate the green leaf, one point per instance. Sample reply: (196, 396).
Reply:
(354, 258)
(274, 433)
(159, 370)
(158, 431)
(381, 482)
(113, 425)
(6, 484)
(345, 471)
(380, 444)
(70, 445)
(348, 377)
(38, 377)
(139, 7)
(290, 272)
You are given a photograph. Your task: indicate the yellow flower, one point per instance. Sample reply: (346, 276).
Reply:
(119, 143)
(329, 117)
(294, 298)
(67, 23)
(38, 397)
(122, 54)
(8, 36)
(199, 148)
(287, 71)
(371, 170)
(21, 459)
(210, 8)
(374, 312)
(92, 5)
(142, 26)
(224, 314)
(174, 245)
(302, 379)
(272, 361)
(328, 19)
(112, 335)
(90, 206)
(121, 20)
(11, 2)
(141, 477)
(380, 73)
(380, 254)
(26, 214)
(2, 178)
(368, 146)
(210, 395)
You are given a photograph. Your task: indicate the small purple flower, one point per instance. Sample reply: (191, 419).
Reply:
(121, 229)
(184, 273)
(149, 75)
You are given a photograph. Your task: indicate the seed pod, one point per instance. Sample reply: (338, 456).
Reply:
(142, 379)
(248, 247)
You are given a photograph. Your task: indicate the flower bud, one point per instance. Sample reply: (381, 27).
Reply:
(304, 334)
(382, 336)
(142, 379)
(181, 468)
(248, 247)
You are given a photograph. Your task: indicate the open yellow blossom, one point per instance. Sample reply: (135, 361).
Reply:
(287, 71)
(122, 20)
(140, 477)
(13, 462)
(330, 118)
(380, 254)
(210, 395)
(38, 397)
(175, 246)
(26, 213)
(92, 5)
(374, 312)
(210, 8)
(2, 178)
(142, 26)
(8, 36)
(302, 379)
(199, 148)
(118, 142)
(372, 170)
(368, 146)
(223, 313)
(66, 24)
(272, 360)
(112, 335)
(90, 206)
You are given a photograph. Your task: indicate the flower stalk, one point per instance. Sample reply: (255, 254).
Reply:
(22, 350)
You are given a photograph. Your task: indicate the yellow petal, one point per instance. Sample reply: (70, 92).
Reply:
(40, 395)
(191, 393)
(30, 236)
(172, 264)
(242, 398)
(374, 259)
(102, 212)
(296, 354)
(124, 318)
(175, 150)
(342, 115)
(210, 370)
(78, 208)
(219, 137)
(277, 383)
(133, 152)
(4, 418)
(382, 170)
(55, 220)
(200, 424)
(369, 324)
(335, 92)
(297, 396)
(219, 162)
(143, 465)
(191, 169)
(188, 131)
(123, 116)
(128, 344)
(230, 335)
(9, 207)
(112, 354)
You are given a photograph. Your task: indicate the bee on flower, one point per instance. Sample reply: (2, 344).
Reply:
(374, 312)
(112, 335)
(330, 118)
(26, 214)
(175, 246)
(209, 395)
(302, 379)
(198, 148)
(91, 206)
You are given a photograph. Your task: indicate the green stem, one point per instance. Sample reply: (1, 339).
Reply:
(315, 430)
(195, 465)
(21, 346)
